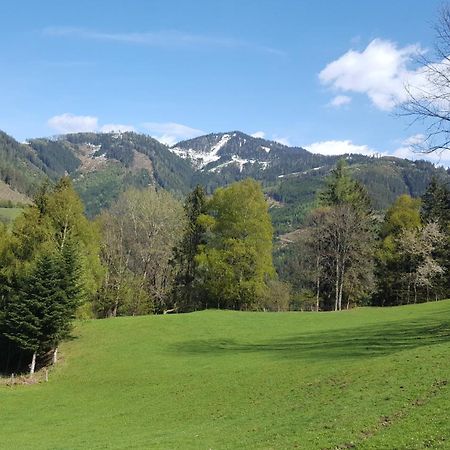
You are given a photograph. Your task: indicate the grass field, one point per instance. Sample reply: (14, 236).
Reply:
(366, 379)
(9, 214)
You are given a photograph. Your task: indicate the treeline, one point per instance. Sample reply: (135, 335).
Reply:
(161, 256)
(346, 254)
(146, 254)
(150, 254)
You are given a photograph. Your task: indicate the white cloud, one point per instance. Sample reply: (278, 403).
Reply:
(340, 100)
(259, 134)
(282, 140)
(381, 71)
(415, 139)
(112, 127)
(410, 149)
(70, 123)
(339, 148)
(407, 149)
(170, 133)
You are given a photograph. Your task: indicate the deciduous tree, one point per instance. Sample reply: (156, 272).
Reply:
(235, 264)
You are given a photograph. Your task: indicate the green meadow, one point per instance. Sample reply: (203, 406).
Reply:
(9, 214)
(368, 378)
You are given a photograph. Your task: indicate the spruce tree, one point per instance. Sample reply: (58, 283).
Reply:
(341, 189)
(40, 311)
(186, 293)
(436, 203)
(35, 314)
(22, 325)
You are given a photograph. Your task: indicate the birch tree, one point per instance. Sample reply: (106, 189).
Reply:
(144, 227)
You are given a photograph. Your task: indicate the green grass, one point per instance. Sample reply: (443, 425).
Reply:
(9, 214)
(369, 378)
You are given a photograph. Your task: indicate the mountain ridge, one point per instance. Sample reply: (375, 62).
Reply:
(104, 164)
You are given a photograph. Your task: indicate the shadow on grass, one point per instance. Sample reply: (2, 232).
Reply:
(361, 342)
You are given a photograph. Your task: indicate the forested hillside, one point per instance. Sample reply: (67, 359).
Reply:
(20, 168)
(103, 165)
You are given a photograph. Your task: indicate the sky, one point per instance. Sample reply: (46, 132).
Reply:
(324, 75)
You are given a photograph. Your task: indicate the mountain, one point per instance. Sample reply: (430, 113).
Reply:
(110, 162)
(239, 154)
(20, 168)
(102, 165)
(292, 176)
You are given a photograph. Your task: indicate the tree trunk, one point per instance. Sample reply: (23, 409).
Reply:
(55, 356)
(114, 310)
(341, 285)
(33, 364)
(317, 284)
(409, 289)
(317, 294)
(336, 300)
(8, 359)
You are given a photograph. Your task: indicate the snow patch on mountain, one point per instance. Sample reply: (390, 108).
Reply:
(199, 158)
(295, 174)
(234, 160)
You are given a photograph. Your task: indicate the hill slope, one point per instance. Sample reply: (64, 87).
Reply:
(360, 379)
(104, 164)
(292, 176)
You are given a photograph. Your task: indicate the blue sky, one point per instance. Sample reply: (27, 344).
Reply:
(320, 74)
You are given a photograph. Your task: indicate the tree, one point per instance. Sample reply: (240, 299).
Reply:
(347, 262)
(341, 189)
(40, 310)
(56, 217)
(277, 297)
(186, 264)
(312, 250)
(140, 232)
(404, 214)
(436, 203)
(408, 269)
(428, 95)
(339, 243)
(415, 248)
(49, 265)
(235, 264)
(436, 209)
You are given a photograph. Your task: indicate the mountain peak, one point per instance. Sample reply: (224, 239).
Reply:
(234, 149)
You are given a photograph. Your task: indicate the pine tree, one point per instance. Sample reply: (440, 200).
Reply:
(436, 203)
(42, 305)
(22, 323)
(341, 189)
(35, 316)
(194, 236)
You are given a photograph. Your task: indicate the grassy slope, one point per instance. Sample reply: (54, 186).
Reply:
(9, 214)
(6, 193)
(372, 378)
